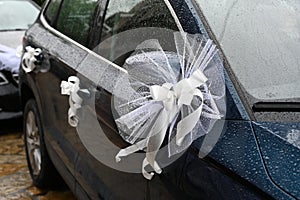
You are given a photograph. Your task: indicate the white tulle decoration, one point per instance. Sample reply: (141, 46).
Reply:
(165, 94)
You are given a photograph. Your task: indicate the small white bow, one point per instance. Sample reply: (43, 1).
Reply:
(29, 58)
(71, 88)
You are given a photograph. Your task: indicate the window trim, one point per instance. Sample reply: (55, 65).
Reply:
(55, 21)
(57, 33)
(55, 17)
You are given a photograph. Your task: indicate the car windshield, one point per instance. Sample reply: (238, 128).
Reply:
(261, 41)
(16, 15)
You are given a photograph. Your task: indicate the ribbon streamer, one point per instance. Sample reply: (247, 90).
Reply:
(30, 58)
(71, 88)
(190, 99)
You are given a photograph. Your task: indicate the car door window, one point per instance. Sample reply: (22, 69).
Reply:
(135, 14)
(75, 19)
(122, 16)
(52, 10)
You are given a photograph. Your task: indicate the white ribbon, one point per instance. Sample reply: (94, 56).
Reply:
(71, 88)
(29, 58)
(173, 97)
(188, 97)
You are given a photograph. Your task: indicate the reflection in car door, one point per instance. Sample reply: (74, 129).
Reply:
(96, 169)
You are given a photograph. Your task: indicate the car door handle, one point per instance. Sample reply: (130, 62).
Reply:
(31, 59)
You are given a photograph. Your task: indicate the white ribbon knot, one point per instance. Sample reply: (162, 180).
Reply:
(181, 93)
(29, 58)
(71, 88)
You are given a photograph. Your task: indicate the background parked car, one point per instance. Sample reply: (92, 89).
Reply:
(16, 17)
(257, 156)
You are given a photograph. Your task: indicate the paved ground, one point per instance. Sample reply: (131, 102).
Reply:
(15, 181)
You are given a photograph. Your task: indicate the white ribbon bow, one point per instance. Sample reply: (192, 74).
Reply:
(173, 97)
(29, 58)
(71, 88)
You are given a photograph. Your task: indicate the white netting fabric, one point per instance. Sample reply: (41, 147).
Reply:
(179, 95)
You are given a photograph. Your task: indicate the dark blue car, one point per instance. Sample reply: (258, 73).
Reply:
(76, 54)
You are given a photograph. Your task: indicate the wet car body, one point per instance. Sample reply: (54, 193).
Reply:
(11, 34)
(250, 161)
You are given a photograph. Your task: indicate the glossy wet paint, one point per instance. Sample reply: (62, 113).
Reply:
(240, 150)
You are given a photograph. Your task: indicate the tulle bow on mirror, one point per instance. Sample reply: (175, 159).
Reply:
(173, 96)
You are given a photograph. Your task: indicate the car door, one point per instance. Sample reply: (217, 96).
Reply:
(124, 28)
